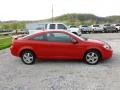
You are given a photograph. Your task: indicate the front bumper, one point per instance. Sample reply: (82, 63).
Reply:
(106, 54)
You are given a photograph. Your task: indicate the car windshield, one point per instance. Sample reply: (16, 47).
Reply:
(73, 26)
(95, 25)
(107, 25)
(117, 25)
(84, 26)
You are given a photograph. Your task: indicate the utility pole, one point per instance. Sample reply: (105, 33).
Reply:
(52, 12)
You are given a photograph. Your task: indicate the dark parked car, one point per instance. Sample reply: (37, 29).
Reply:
(109, 28)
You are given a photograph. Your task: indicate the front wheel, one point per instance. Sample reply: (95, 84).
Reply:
(28, 57)
(92, 57)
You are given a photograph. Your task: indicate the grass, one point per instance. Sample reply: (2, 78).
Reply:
(5, 42)
(1, 36)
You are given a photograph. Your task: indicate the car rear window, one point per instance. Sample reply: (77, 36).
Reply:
(40, 37)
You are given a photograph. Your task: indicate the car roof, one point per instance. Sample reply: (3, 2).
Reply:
(60, 30)
(45, 31)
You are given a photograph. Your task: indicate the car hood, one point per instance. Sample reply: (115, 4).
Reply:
(95, 41)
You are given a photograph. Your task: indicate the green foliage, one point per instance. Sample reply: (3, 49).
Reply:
(12, 26)
(5, 43)
(5, 26)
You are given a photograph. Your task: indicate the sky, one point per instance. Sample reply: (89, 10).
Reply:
(41, 9)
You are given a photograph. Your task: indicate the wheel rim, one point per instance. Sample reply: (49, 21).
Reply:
(28, 57)
(92, 57)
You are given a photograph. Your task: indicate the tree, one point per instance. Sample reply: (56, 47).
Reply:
(5, 26)
(17, 26)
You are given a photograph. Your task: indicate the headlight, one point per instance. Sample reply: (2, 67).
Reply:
(107, 46)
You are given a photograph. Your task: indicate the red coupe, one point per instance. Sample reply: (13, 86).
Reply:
(59, 44)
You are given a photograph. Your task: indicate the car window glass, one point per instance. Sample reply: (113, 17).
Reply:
(107, 25)
(117, 24)
(84, 26)
(73, 26)
(58, 37)
(52, 26)
(40, 37)
(95, 25)
(61, 26)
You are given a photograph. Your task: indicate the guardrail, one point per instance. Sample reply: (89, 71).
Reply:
(12, 33)
(6, 33)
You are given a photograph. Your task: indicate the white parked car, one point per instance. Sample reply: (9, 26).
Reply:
(74, 29)
(117, 26)
(97, 28)
(55, 26)
(85, 29)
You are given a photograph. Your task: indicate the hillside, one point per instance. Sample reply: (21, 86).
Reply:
(86, 19)
(74, 19)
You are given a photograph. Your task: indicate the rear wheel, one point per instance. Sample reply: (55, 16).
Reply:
(28, 57)
(92, 57)
(82, 31)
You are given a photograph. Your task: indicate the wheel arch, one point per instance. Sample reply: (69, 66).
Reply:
(26, 49)
(93, 49)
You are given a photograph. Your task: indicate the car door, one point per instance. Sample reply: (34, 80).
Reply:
(60, 46)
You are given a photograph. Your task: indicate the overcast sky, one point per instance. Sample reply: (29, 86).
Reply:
(41, 9)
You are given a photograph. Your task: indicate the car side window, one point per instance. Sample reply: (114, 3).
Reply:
(58, 37)
(61, 26)
(40, 37)
(52, 26)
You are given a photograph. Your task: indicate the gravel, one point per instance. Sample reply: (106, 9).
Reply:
(62, 75)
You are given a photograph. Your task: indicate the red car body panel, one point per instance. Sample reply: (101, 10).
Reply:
(59, 50)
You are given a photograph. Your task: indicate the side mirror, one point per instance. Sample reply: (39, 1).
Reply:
(74, 41)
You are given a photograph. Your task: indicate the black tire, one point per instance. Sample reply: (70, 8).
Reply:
(75, 33)
(105, 31)
(93, 31)
(94, 55)
(82, 31)
(117, 30)
(30, 59)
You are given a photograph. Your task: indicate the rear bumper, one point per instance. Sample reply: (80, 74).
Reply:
(98, 29)
(14, 51)
(110, 29)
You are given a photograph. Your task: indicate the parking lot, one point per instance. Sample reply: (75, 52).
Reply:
(62, 75)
